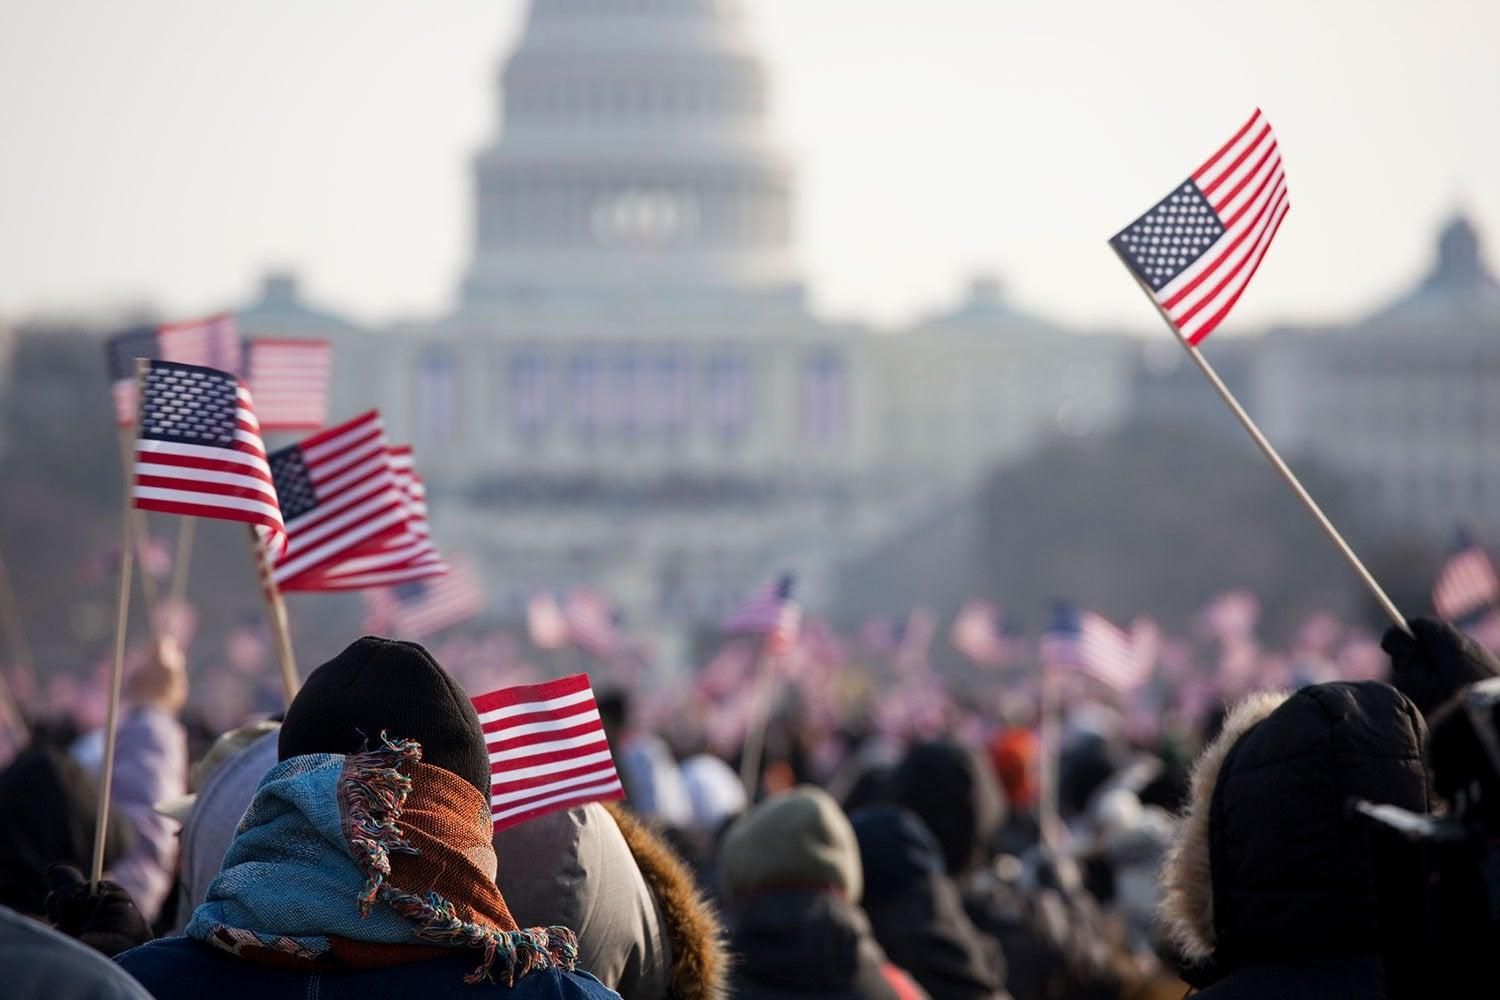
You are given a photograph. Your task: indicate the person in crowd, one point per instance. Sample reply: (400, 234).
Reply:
(364, 866)
(225, 781)
(38, 963)
(1049, 932)
(1434, 661)
(1269, 885)
(916, 912)
(792, 883)
(1015, 754)
(642, 926)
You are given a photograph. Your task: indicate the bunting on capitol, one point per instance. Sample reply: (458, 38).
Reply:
(338, 496)
(1195, 251)
(198, 450)
(212, 342)
(290, 382)
(547, 749)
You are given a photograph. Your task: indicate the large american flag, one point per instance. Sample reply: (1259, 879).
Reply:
(1196, 250)
(396, 558)
(213, 342)
(769, 611)
(592, 623)
(422, 607)
(338, 496)
(1467, 583)
(1091, 644)
(981, 634)
(547, 749)
(290, 382)
(198, 450)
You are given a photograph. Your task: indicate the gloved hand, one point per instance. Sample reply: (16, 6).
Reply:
(1435, 663)
(101, 915)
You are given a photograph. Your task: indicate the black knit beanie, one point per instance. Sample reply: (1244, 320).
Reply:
(386, 685)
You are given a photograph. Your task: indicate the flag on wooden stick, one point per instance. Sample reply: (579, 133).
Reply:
(213, 342)
(290, 382)
(547, 749)
(420, 608)
(1091, 644)
(981, 634)
(198, 450)
(769, 611)
(1467, 583)
(592, 622)
(338, 496)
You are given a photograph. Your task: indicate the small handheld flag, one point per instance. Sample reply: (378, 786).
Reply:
(547, 749)
(769, 611)
(213, 342)
(420, 608)
(1092, 645)
(980, 633)
(199, 452)
(1467, 583)
(592, 622)
(1196, 250)
(290, 382)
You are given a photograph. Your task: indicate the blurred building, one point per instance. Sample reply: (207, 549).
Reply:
(1403, 402)
(629, 390)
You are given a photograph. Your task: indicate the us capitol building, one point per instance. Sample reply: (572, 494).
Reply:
(630, 391)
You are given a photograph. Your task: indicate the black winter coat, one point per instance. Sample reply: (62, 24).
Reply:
(798, 944)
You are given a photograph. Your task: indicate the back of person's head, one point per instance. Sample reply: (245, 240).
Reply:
(47, 815)
(955, 794)
(1269, 862)
(385, 686)
(796, 839)
(897, 850)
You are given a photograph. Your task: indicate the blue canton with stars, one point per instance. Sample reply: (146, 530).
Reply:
(122, 349)
(1165, 241)
(188, 404)
(294, 487)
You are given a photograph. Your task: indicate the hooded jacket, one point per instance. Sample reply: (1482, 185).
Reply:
(792, 881)
(1269, 884)
(916, 912)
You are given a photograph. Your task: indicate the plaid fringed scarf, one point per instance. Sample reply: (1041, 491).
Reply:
(369, 860)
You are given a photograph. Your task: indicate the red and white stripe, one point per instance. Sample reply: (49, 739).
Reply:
(1246, 185)
(547, 749)
(978, 633)
(211, 342)
(290, 382)
(591, 622)
(1466, 584)
(230, 483)
(444, 600)
(358, 503)
(1102, 650)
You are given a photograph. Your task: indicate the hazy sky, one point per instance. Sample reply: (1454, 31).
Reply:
(167, 151)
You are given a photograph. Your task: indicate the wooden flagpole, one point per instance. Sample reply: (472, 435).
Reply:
(757, 724)
(137, 531)
(182, 559)
(1049, 820)
(122, 619)
(1287, 475)
(276, 613)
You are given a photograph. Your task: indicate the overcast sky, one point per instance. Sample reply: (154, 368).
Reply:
(168, 151)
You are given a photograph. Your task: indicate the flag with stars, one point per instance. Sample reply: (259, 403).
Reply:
(199, 452)
(1467, 584)
(1090, 644)
(771, 612)
(417, 609)
(982, 633)
(339, 497)
(213, 342)
(1196, 250)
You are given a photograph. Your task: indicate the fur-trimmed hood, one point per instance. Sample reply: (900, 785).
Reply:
(1266, 862)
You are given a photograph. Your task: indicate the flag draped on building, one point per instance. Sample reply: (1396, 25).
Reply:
(1467, 583)
(338, 495)
(547, 749)
(981, 634)
(213, 342)
(420, 608)
(1196, 250)
(290, 382)
(769, 611)
(199, 452)
(1090, 644)
(592, 622)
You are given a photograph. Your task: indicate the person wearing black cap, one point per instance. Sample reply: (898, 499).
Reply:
(364, 866)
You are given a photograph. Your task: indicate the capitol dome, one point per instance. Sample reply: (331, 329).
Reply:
(634, 163)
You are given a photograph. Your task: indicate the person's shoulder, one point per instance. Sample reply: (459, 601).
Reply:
(169, 957)
(37, 961)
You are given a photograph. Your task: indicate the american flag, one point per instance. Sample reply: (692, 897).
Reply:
(397, 558)
(1093, 645)
(1467, 583)
(545, 622)
(1196, 250)
(769, 611)
(290, 382)
(980, 632)
(422, 607)
(198, 450)
(592, 623)
(338, 496)
(213, 342)
(547, 749)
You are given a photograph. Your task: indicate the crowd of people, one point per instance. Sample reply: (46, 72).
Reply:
(343, 847)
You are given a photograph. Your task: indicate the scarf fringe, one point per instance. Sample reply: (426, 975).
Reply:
(374, 791)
